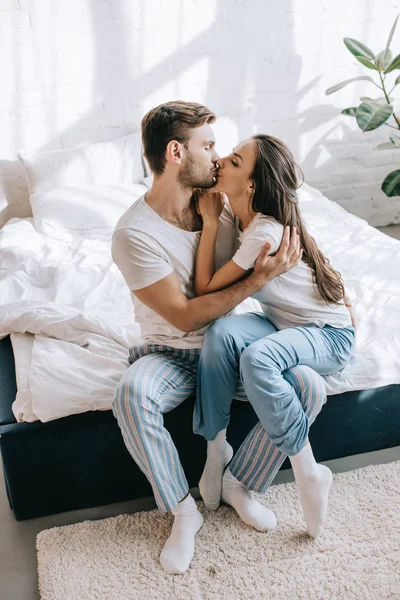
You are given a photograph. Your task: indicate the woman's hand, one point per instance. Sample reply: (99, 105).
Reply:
(209, 204)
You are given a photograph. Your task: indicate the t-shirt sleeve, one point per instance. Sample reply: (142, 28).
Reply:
(253, 241)
(140, 262)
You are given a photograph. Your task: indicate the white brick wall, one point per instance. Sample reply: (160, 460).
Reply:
(79, 71)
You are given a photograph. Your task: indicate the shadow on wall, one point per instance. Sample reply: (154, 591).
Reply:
(337, 164)
(243, 77)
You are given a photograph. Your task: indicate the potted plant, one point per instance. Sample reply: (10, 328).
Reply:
(376, 112)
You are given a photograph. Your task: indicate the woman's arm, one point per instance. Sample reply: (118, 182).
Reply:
(206, 280)
(205, 257)
(349, 305)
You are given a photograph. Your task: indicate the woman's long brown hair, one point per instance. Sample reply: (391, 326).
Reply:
(275, 195)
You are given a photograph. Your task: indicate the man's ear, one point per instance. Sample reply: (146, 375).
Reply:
(174, 152)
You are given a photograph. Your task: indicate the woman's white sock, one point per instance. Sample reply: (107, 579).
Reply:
(313, 481)
(178, 550)
(219, 453)
(249, 510)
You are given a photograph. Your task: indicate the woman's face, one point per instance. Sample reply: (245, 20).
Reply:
(234, 173)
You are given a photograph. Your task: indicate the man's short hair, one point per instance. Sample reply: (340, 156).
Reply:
(167, 122)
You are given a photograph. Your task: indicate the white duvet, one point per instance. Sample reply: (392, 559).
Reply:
(71, 320)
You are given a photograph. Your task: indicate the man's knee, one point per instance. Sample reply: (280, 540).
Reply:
(308, 385)
(126, 403)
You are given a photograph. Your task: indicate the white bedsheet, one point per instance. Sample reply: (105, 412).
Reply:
(71, 318)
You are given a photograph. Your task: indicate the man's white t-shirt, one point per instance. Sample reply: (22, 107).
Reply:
(147, 248)
(290, 299)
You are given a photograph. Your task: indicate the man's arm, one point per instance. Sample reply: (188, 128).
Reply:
(167, 299)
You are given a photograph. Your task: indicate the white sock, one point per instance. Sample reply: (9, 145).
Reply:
(178, 550)
(219, 453)
(249, 510)
(313, 481)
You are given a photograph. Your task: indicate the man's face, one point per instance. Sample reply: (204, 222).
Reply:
(198, 168)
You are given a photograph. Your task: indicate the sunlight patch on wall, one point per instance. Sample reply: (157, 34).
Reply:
(196, 17)
(226, 135)
(192, 83)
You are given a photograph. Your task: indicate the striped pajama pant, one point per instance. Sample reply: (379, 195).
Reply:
(158, 380)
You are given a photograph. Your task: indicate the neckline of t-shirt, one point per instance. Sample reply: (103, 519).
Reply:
(167, 222)
(250, 225)
(256, 218)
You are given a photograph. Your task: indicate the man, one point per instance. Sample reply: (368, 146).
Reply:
(154, 246)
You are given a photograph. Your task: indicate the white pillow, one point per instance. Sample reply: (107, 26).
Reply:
(118, 161)
(88, 210)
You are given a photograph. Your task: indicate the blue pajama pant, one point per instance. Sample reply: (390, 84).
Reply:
(158, 380)
(248, 348)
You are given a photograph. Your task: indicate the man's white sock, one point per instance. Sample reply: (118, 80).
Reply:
(219, 453)
(249, 510)
(313, 481)
(178, 550)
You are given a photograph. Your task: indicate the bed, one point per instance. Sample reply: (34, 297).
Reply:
(66, 323)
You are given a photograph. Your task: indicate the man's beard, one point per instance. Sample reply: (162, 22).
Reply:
(193, 176)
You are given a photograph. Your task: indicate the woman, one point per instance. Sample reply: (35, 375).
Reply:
(305, 321)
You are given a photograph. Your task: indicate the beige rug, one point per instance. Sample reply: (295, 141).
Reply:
(356, 557)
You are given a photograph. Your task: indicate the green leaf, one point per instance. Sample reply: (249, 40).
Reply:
(350, 112)
(358, 49)
(381, 100)
(391, 184)
(397, 80)
(338, 86)
(395, 64)
(383, 59)
(391, 33)
(371, 115)
(367, 63)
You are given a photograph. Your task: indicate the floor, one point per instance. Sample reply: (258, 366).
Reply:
(18, 574)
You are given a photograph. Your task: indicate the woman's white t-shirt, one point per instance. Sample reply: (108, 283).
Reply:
(290, 299)
(146, 248)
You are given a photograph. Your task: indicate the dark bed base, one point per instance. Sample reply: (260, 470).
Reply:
(81, 461)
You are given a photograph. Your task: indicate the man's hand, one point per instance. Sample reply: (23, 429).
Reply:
(209, 204)
(288, 256)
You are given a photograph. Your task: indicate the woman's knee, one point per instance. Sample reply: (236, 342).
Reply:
(247, 360)
(219, 340)
(251, 361)
(219, 330)
(259, 354)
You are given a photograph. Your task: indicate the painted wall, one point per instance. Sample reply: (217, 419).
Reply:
(73, 72)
